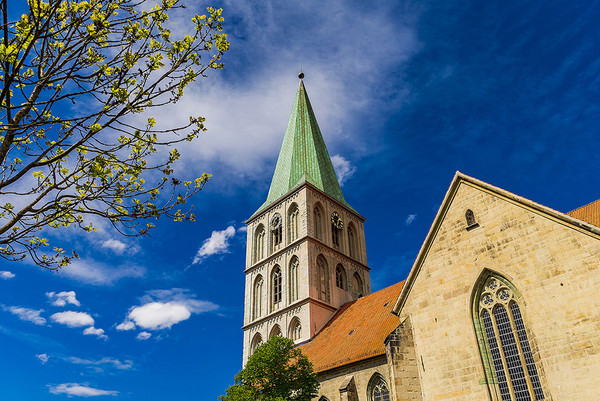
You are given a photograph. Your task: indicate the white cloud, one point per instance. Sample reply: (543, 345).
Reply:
(242, 229)
(29, 315)
(143, 335)
(126, 325)
(410, 219)
(6, 275)
(62, 298)
(343, 169)
(158, 315)
(165, 308)
(92, 331)
(81, 390)
(43, 358)
(217, 243)
(73, 319)
(96, 273)
(242, 149)
(106, 361)
(115, 245)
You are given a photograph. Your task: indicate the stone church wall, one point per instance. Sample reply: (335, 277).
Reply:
(361, 373)
(555, 268)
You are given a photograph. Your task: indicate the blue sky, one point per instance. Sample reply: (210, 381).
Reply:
(405, 95)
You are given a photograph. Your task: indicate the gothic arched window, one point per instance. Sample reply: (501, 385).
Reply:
(318, 222)
(470, 217)
(377, 389)
(323, 274)
(257, 294)
(352, 242)
(275, 331)
(293, 279)
(276, 290)
(340, 277)
(336, 229)
(295, 330)
(505, 347)
(276, 227)
(293, 225)
(257, 341)
(357, 284)
(259, 243)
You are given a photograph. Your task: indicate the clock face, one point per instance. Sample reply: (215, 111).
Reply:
(336, 220)
(276, 221)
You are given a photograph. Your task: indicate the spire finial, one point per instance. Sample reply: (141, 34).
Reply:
(301, 75)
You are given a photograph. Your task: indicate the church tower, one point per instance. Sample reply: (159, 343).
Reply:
(305, 253)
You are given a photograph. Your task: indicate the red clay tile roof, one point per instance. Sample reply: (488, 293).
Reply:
(589, 213)
(356, 332)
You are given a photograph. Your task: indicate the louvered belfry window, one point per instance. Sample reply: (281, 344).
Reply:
(515, 376)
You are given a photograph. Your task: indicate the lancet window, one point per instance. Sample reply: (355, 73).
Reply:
(318, 222)
(259, 243)
(293, 225)
(323, 272)
(377, 389)
(257, 341)
(275, 331)
(295, 330)
(257, 294)
(276, 290)
(357, 284)
(293, 279)
(352, 242)
(276, 232)
(511, 369)
(340, 277)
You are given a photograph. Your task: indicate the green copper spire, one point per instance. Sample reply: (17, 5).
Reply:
(303, 156)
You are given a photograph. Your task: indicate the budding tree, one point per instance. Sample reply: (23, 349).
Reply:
(79, 140)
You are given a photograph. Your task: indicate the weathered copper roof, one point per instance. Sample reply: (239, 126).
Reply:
(589, 213)
(356, 332)
(303, 156)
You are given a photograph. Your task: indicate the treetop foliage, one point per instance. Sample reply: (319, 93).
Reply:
(276, 371)
(77, 138)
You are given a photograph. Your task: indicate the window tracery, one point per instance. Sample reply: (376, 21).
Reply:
(276, 232)
(513, 372)
(377, 389)
(257, 341)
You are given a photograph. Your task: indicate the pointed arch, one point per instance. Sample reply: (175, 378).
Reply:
(256, 342)
(293, 223)
(293, 279)
(323, 274)
(377, 389)
(295, 329)
(319, 221)
(275, 331)
(276, 230)
(509, 363)
(257, 296)
(259, 243)
(276, 287)
(340, 277)
(357, 284)
(353, 248)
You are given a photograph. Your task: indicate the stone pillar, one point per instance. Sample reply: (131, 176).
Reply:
(403, 364)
